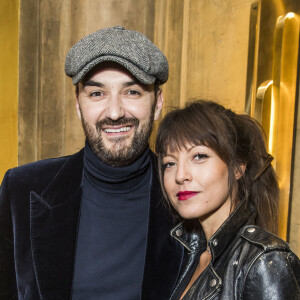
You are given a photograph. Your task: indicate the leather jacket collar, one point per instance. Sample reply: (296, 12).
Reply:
(243, 215)
(248, 262)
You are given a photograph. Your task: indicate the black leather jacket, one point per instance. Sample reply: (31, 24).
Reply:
(247, 262)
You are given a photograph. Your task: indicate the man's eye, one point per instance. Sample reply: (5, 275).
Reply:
(96, 94)
(134, 93)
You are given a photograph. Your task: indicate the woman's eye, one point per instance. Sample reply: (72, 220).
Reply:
(200, 156)
(168, 165)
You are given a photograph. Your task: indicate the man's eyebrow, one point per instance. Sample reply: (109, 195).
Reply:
(130, 83)
(92, 83)
(136, 82)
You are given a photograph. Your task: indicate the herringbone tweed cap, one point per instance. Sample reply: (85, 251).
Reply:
(131, 49)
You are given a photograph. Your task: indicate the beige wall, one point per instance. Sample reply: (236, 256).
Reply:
(9, 24)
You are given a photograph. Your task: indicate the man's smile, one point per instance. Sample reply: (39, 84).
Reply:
(117, 130)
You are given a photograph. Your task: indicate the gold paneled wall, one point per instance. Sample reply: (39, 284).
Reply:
(206, 43)
(49, 125)
(200, 38)
(9, 24)
(210, 46)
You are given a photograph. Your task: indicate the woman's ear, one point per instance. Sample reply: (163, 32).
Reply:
(239, 172)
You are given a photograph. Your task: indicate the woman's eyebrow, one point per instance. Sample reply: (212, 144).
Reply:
(191, 147)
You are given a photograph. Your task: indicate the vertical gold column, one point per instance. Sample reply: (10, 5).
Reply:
(169, 36)
(275, 108)
(9, 24)
(283, 107)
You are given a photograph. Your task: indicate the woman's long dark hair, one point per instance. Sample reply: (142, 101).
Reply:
(238, 140)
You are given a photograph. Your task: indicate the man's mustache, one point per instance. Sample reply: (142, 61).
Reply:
(122, 121)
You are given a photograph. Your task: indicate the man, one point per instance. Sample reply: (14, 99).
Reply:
(92, 225)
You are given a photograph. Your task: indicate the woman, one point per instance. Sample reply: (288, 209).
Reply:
(216, 173)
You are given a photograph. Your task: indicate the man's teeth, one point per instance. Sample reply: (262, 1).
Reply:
(112, 130)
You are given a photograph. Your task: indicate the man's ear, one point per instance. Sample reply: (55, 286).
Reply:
(240, 172)
(77, 105)
(159, 104)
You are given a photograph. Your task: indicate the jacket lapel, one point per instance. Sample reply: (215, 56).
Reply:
(53, 225)
(163, 254)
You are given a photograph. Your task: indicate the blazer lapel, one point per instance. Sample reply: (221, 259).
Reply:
(53, 224)
(163, 254)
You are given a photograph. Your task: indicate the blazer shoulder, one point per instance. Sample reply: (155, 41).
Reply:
(259, 236)
(41, 165)
(39, 173)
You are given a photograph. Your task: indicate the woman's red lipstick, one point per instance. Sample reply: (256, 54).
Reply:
(185, 195)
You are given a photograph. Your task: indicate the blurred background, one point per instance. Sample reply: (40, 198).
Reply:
(240, 53)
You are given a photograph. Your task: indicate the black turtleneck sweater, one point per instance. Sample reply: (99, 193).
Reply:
(113, 228)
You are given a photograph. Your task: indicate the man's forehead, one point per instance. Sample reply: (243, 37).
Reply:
(100, 73)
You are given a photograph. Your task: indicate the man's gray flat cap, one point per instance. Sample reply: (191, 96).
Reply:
(131, 49)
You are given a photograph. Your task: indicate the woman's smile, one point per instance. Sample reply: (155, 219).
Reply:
(185, 195)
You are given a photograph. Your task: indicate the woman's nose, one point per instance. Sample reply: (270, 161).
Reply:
(183, 174)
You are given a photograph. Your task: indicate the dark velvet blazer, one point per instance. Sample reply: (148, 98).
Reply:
(39, 214)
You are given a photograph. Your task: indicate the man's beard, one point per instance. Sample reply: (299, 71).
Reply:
(119, 154)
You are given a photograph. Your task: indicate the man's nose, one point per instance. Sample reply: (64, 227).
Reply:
(115, 109)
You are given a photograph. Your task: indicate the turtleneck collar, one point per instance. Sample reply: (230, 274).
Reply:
(108, 178)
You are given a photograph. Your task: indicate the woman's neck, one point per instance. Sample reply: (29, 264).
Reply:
(212, 222)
